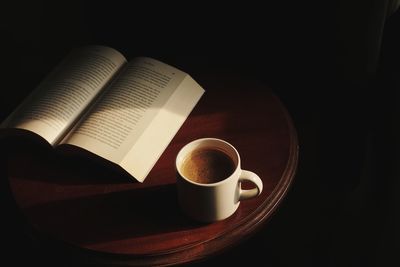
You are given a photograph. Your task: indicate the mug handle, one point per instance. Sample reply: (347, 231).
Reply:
(253, 178)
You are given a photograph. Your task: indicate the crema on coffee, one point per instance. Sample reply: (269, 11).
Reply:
(207, 165)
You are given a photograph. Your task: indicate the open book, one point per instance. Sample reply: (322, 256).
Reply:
(124, 112)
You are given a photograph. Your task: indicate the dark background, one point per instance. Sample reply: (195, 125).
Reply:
(334, 66)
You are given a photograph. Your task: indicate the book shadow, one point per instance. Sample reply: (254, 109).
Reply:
(31, 158)
(102, 219)
(99, 205)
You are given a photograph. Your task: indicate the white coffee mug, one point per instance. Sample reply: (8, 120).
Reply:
(208, 202)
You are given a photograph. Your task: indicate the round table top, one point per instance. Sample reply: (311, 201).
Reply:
(96, 210)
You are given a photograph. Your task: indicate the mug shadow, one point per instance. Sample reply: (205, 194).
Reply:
(105, 218)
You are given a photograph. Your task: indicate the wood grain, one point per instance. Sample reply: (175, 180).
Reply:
(99, 211)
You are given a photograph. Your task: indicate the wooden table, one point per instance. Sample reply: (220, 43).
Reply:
(102, 216)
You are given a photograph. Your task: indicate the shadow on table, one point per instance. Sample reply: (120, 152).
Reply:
(97, 219)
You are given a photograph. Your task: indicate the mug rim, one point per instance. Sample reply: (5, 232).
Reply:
(179, 159)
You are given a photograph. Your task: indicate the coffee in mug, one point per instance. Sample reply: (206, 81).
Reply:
(207, 165)
(209, 178)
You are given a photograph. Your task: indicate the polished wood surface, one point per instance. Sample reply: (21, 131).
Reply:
(97, 210)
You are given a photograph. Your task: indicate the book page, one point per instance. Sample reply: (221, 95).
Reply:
(60, 99)
(143, 155)
(123, 115)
